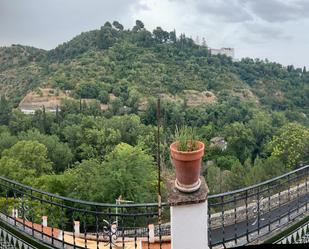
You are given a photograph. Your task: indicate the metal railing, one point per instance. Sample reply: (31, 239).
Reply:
(69, 223)
(11, 241)
(235, 218)
(247, 215)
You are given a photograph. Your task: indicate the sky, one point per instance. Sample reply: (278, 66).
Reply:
(272, 29)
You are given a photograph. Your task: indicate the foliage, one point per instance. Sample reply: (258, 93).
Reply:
(264, 169)
(59, 153)
(4, 111)
(291, 144)
(260, 108)
(217, 179)
(240, 140)
(19, 122)
(227, 162)
(24, 160)
(186, 139)
(132, 171)
(128, 168)
(6, 141)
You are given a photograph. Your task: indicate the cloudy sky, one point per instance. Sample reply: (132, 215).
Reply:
(273, 29)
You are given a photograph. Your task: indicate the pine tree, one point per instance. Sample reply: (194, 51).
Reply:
(4, 111)
(197, 40)
(204, 42)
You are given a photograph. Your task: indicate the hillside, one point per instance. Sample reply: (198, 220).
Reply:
(252, 115)
(135, 64)
(20, 70)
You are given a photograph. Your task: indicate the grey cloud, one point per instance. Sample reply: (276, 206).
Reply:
(226, 11)
(46, 23)
(278, 10)
(261, 33)
(236, 11)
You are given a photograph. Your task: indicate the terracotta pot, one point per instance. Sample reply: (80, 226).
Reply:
(188, 167)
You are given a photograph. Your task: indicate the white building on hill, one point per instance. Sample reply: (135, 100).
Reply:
(226, 51)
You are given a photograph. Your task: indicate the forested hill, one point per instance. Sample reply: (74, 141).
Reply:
(137, 63)
(100, 144)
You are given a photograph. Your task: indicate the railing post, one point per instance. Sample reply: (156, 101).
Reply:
(60, 235)
(15, 213)
(151, 233)
(44, 221)
(189, 218)
(77, 228)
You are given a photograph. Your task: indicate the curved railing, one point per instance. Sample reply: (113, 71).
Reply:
(70, 223)
(235, 218)
(249, 214)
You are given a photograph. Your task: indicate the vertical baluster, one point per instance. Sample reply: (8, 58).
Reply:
(85, 229)
(73, 225)
(52, 219)
(14, 217)
(23, 209)
(62, 223)
(42, 213)
(122, 228)
(6, 203)
(268, 211)
(222, 219)
(298, 180)
(307, 187)
(258, 209)
(160, 225)
(247, 217)
(32, 212)
(279, 203)
(209, 225)
(111, 230)
(135, 233)
(289, 206)
(97, 226)
(148, 210)
(235, 219)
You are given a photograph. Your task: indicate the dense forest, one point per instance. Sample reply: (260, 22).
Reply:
(261, 111)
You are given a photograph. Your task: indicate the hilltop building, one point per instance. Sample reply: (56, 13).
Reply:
(226, 51)
(215, 51)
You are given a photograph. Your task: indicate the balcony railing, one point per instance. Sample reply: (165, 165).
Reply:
(235, 218)
(69, 223)
(247, 215)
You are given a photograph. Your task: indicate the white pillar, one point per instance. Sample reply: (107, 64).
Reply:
(60, 235)
(76, 227)
(15, 213)
(189, 218)
(189, 224)
(151, 233)
(44, 221)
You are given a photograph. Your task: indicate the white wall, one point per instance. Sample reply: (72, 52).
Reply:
(189, 224)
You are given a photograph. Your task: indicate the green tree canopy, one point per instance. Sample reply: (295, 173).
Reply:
(7, 141)
(59, 153)
(240, 140)
(25, 156)
(291, 144)
(5, 111)
(129, 172)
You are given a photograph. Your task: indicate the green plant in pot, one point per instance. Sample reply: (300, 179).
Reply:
(186, 155)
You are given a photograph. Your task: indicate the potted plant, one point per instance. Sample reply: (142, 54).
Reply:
(186, 155)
